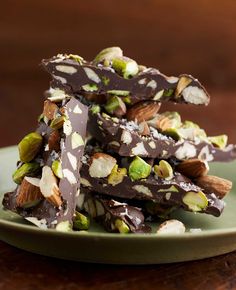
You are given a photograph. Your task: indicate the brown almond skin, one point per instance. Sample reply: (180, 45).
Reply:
(54, 141)
(193, 168)
(214, 184)
(50, 109)
(27, 193)
(143, 111)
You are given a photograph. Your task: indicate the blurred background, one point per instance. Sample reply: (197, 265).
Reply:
(195, 37)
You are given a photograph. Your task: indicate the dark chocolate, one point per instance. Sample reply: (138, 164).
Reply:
(162, 191)
(107, 211)
(149, 84)
(123, 138)
(46, 214)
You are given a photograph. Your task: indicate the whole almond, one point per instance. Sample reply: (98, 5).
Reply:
(143, 111)
(214, 184)
(50, 109)
(29, 194)
(193, 168)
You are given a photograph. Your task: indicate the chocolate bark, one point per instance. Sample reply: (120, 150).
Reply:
(110, 212)
(148, 84)
(162, 191)
(123, 137)
(45, 214)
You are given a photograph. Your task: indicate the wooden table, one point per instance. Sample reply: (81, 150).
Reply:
(155, 34)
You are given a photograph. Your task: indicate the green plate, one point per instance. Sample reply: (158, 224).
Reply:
(218, 235)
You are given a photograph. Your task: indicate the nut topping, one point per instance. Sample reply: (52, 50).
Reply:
(29, 194)
(143, 111)
(213, 184)
(49, 188)
(101, 165)
(50, 109)
(193, 168)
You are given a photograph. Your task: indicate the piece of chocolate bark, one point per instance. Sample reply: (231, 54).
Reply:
(127, 139)
(162, 183)
(115, 216)
(111, 73)
(48, 175)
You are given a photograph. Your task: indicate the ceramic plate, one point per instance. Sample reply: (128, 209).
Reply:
(218, 235)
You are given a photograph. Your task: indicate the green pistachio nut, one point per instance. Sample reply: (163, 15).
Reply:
(164, 170)
(139, 169)
(219, 141)
(57, 169)
(58, 122)
(127, 100)
(119, 92)
(125, 66)
(122, 227)
(108, 54)
(29, 146)
(81, 222)
(105, 80)
(64, 226)
(190, 124)
(76, 57)
(196, 201)
(174, 118)
(117, 175)
(90, 87)
(168, 93)
(115, 106)
(95, 109)
(173, 133)
(27, 169)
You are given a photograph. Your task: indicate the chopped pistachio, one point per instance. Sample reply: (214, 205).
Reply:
(168, 93)
(173, 133)
(164, 170)
(76, 57)
(27, 169)
(81, 222)
(174, 117)
(121, 226)
(108, 54)
(95, 109)
(119, 92)
(196, 201)
(115, 106)
(29, 146)
(219, 141)
(90, 87)
(139, 169)
(58, 122)
(105, 80)
(117, 175)
(125, 66)
(127, 100)
(57, 169)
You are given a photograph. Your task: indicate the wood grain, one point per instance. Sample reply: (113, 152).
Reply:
(22, 270)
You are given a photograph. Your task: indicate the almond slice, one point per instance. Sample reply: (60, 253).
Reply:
(214, 184)
(49, 188)
(143, 111)
(193, 168)
(29, 194)
(144, 129)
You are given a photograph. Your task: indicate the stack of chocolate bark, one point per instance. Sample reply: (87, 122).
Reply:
(104, 146)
